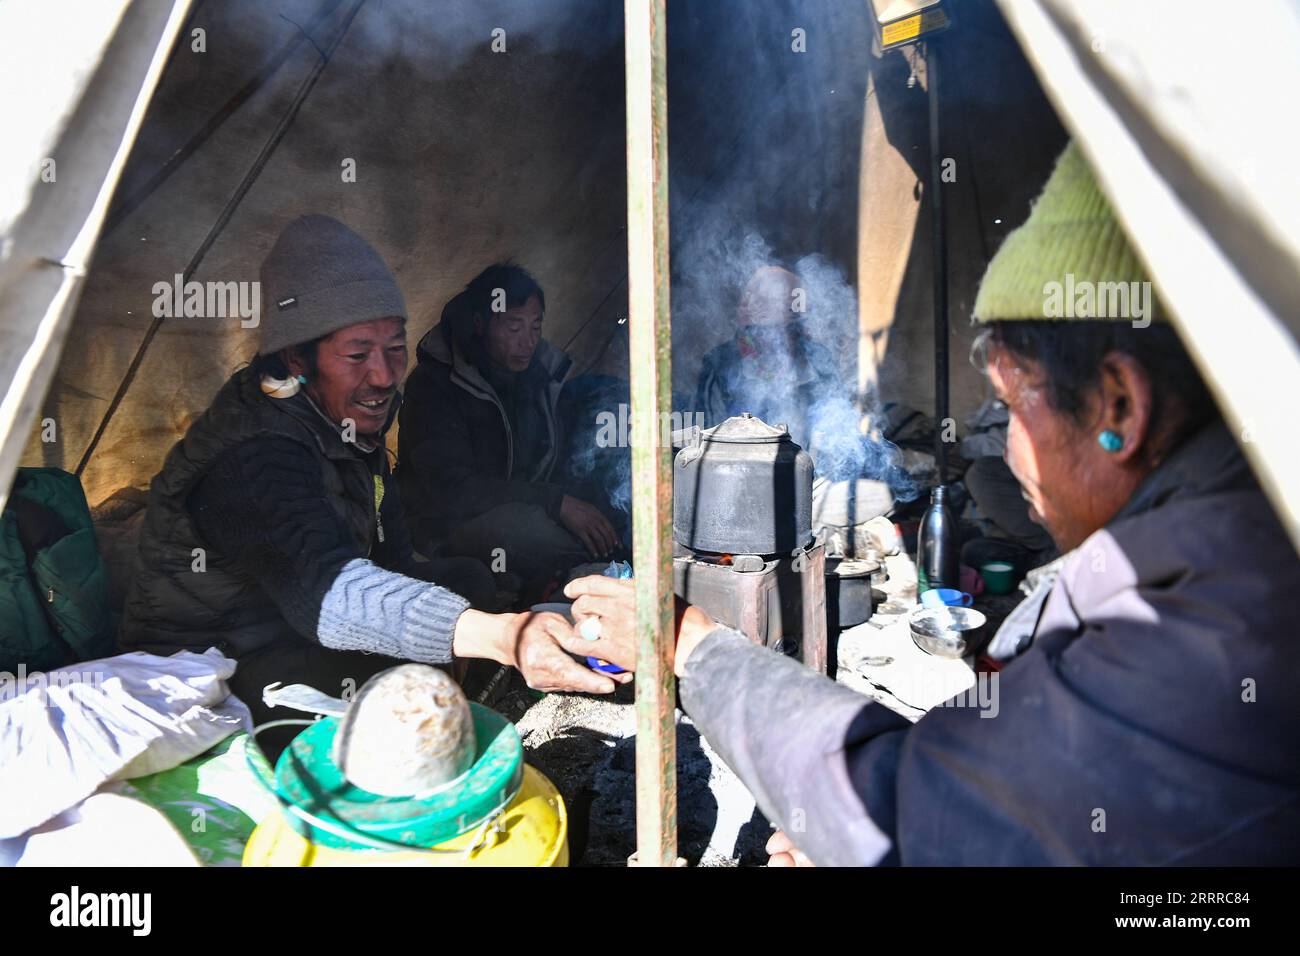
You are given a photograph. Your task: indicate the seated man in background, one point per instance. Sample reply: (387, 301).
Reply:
(771, 367)
(274, 532)
(479, 437)
(774, 368)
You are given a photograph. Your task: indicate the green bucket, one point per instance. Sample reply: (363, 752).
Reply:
(334, 813)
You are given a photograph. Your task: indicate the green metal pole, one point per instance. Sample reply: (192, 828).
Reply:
(650, 342)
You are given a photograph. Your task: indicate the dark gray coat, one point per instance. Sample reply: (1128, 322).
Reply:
(170, 606)
(1153, 721)
(455, 449)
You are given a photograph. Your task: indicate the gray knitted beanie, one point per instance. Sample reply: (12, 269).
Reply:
(320, 277)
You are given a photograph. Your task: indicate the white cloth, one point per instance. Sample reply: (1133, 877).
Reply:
(66, 732)
(107, 829)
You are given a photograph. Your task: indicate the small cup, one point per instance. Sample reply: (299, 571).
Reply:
(999, 576)
(951, 597)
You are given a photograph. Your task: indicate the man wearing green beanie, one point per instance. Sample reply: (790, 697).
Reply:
(275, 532)
(1134, 729)
(1070, 261)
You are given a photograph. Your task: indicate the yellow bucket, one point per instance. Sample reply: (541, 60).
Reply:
(532, 830)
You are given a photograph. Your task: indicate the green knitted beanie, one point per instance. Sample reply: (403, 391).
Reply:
(1070, 259)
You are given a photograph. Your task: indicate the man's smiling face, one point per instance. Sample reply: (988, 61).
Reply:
(357, 373)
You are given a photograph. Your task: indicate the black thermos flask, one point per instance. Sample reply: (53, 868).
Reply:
(936, 545)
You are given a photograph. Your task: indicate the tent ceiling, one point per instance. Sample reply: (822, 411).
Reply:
(79, 110)
(1189, 129)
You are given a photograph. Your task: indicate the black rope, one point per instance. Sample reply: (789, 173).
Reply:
(305, 34)
(127, 205)
(263, 157)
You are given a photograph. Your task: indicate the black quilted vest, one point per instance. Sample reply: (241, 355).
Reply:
(171, 606)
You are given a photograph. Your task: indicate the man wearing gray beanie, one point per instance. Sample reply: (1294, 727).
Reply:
(275, 532)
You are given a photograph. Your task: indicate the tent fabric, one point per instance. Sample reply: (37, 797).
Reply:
(1184, 114)
(70, 121)
(442, 153)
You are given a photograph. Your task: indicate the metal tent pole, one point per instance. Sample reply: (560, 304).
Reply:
(940, 266)
(650, 342)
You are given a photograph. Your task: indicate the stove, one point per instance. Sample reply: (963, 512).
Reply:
(743, 549)
(777, 602)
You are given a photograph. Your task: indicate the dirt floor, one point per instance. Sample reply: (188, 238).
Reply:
(587, 747)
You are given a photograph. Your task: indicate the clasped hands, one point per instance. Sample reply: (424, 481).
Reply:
(539, 643)
(542, 638)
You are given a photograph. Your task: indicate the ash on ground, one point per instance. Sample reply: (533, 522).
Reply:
(587, 747)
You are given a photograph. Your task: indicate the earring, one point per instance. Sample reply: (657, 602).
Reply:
(1111, 441)
(281, 387)
(302, 379)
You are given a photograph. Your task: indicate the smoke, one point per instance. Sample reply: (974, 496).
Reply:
(596, 462)
(439, 37)
(800, 374)
(619, 483)
(764, 141)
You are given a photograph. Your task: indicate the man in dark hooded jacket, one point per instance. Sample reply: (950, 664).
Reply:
(479, 437)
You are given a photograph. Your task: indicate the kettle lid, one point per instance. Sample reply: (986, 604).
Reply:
(746, 429)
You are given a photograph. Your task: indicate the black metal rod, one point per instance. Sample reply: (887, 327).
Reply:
(940, 266)
(126, 205)
(227, 212)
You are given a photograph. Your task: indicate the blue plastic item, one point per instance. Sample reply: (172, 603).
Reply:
(595, 664)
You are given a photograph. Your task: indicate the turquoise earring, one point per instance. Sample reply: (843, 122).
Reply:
(1111, 441)
(302, 379)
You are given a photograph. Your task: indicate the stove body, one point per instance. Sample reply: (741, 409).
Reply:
(743, 549)
(780, 604)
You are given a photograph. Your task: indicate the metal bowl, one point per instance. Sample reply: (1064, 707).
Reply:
(951, 632)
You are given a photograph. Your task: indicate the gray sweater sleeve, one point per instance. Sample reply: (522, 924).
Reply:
(263, 509)
(819, 759)
(370, 609)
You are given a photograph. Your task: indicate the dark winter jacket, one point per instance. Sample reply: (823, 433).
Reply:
(455, 446)
(1153, 721)
(274, 444)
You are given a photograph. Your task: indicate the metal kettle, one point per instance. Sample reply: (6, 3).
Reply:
(743, 487)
